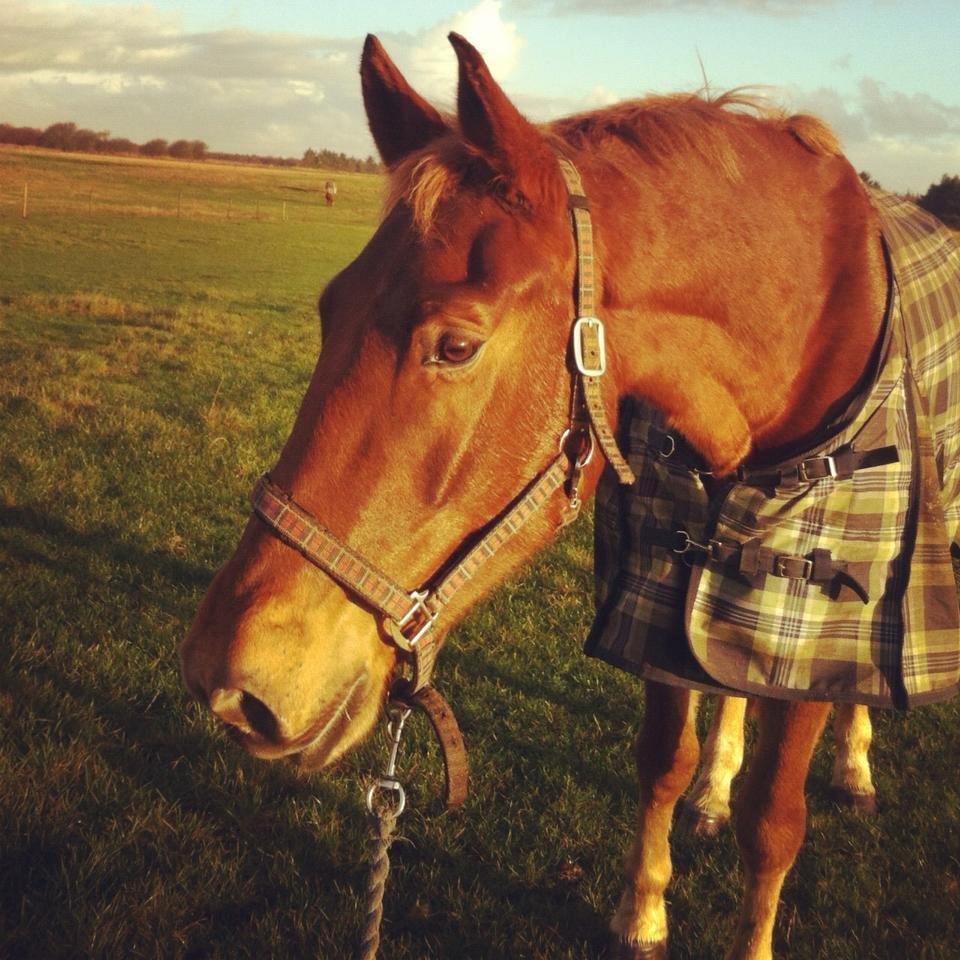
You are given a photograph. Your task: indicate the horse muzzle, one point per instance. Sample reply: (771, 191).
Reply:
(267, 736)
(286, 661)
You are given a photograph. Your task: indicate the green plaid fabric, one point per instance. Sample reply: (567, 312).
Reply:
(718, 624)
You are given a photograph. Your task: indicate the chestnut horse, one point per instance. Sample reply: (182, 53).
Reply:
(742, 286)
(706, 807)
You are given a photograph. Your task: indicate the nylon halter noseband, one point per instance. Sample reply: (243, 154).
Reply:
(410, 616)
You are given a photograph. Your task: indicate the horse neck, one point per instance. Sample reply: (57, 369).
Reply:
(743, 308)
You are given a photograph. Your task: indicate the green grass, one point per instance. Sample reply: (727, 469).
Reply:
(150, 367)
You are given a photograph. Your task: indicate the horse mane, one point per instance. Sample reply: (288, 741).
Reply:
(656, 128)
(660, 127)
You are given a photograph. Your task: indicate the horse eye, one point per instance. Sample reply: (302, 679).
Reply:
(456, 348)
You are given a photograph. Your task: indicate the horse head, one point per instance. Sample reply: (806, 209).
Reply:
(440, 392)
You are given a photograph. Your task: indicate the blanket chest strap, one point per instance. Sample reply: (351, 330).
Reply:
(840, 465)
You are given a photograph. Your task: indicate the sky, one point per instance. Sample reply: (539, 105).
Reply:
(249, 76)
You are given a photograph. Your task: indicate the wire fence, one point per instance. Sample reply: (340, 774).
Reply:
(27, 201)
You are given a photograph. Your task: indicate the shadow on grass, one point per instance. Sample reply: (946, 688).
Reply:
(250, 818)
(548, 914)
(146, 736)
(105, 540)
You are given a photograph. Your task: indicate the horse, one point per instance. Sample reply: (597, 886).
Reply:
(450, 425)
(706, 807)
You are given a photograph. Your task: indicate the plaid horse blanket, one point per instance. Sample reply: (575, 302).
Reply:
(826, 577)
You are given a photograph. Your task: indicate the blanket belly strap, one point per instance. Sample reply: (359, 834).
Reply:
(752, 560)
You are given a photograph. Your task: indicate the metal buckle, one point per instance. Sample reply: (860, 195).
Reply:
(418, 604)
(831, 468)
(686, 544)
(711, 549)
(780, 568)
(601, 366)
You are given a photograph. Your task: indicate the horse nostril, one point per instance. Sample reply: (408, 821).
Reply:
(245, 712)
(261, 717)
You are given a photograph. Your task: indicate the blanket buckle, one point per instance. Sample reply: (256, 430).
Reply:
(804, 466)
(783, 566)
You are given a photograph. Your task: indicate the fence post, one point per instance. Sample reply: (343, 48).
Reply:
(24, 213)
(284, 211)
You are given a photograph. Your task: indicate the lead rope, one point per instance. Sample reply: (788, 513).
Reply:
(376, 886)
(384, 813)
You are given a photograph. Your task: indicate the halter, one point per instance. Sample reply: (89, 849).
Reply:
(409, 617)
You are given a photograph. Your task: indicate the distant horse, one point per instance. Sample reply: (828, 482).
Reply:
(742, 284)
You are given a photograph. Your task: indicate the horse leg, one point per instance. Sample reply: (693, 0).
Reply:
(851, 784)
(706, 809)
(666, 753)
(771, 817)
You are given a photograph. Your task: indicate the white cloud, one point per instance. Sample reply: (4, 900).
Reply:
(137, 71)
(828, 104)
(542, 109)
(496, 39)
(773, 8)
(904, 140)
(896, 163)
(161, 54)
(911, 116)
(428, 60)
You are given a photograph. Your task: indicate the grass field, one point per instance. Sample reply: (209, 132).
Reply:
(150, 366)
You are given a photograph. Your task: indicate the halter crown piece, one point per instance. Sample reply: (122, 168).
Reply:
(409, 617)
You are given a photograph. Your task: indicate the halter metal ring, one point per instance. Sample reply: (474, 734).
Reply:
(387, 785)
(582, 459)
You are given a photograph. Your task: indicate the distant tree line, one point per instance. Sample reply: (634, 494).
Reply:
(339, 161)
(943, 200)
(70, 137)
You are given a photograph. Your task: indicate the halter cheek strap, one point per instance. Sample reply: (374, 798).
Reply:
(588, 338)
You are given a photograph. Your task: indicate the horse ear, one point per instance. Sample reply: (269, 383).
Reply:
(487, 117)
(401, 121)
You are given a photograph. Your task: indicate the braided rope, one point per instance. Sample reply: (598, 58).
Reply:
(384, 828)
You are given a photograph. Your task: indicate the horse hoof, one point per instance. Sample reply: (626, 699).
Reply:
(621, 949)
(862, 803)
(699, 824)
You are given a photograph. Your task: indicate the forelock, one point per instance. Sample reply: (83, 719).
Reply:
(422, 181)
